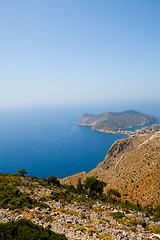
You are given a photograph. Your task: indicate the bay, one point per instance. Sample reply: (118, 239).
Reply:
(48, 141)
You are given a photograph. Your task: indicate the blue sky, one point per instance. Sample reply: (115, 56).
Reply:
(59, 52)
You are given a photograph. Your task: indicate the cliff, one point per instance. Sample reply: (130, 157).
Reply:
(132, 166)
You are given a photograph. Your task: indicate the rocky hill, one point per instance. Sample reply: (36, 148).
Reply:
(132, 166)
(112, 122)
(63, 210)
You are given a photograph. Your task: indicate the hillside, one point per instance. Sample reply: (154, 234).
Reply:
(77, 207)
(132, 166)
(113, 122)
(62, 209)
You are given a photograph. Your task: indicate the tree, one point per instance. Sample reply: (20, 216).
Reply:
(54, 180)
(94, 186)
(22, 172)
(79, 186)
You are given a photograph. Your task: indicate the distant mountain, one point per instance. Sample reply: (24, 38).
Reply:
(132, 166)
(116, 121)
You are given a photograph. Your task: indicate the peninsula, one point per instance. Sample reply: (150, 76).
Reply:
(116, 122)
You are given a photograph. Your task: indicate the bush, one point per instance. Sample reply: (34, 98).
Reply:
(113, 192)
(94, 186)
(118, 215)
(53, 180)
(25, 230)
(65, 196)
(70, 188)
(11, 197)
(148, 209)
(156, 212)
(144, 224)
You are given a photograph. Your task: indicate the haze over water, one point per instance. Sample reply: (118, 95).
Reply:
(48, 141)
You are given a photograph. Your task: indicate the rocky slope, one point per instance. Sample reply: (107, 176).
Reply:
(87, 220)
(132, 166)
(113, 122)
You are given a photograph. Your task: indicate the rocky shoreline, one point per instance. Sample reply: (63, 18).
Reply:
(143, 130)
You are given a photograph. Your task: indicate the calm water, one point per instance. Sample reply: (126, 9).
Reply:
(49, 142)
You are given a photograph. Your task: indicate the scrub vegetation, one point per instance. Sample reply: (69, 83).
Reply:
(46, 200)
(25, 230)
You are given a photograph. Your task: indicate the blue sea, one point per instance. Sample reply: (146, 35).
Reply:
(48, 141)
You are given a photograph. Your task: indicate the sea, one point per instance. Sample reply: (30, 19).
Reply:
(48, 141)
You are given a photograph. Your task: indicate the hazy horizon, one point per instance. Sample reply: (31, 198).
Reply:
(151, 108)
(61, 53)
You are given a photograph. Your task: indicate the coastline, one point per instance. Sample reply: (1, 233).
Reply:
(144, 130)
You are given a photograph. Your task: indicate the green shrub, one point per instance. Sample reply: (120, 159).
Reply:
(53, 180)
(156, 213)
(11, 196)
(144, 224)
(148, 209)
(70, 188)
(94, 186)
(103, 198)
(118, 215)
(66, 196)
(25, 230)
(113, 192)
